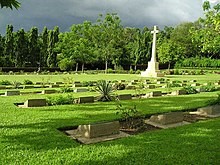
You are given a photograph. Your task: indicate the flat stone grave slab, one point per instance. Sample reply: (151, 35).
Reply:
(209, 111)
(81, 90)
(124, 97)
(58, 83)
(154, 94)
(77, 85)
(99, 132)
(12, 93)
(179, 92)
(54, 86)
(2, 87)
(88, 99)
(130, 87)
(28, 86)
(167, 120)
(34, 103)
(48, 91)
(195, 84)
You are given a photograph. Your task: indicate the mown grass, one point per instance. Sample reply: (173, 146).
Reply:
(30, 136)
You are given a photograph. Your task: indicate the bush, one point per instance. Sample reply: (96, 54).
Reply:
(5, 82)
(60, 100)
(209, 88)
(28, 82)
(105, 89)
(66, 90)
(190, 90)
(119, 86)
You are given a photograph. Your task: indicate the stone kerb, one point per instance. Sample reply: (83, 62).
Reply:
(2, 87)
(48, 91)
(28, 86)
(34, 103)
(209, 111)
(77, 85)
(168, 120)
(88, 99)
(12, 93)
(124, 97)
(100, 129)
(54, 86)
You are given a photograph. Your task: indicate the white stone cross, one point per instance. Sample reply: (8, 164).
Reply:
(154, 32)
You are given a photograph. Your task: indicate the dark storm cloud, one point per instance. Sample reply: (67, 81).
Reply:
(134, 13)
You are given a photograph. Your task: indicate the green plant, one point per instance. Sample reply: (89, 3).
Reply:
(60, 100)
(215, 101)
(66, 89)
(28, 82)
(16, 84)
(105, 89)
(190, 90)
(5, 82)
(127, 114)
(208, 88)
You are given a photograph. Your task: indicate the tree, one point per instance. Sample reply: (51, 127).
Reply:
(107, 38)
(10, 4)
(33, 57)
(2, 45)
(44, 45)
(21, 48)
(53, 38)
(9, 46)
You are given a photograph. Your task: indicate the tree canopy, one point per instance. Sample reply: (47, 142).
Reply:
(10, 4)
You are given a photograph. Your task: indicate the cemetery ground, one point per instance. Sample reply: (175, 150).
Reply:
(31, 135)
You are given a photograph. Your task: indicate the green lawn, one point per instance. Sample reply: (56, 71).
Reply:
(30, 136)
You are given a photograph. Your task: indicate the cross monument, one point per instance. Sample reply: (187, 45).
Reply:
(153, 66)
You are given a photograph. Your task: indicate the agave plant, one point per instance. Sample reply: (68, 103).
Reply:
(105, 89)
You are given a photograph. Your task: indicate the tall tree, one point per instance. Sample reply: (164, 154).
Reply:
(34, 50)
(9, 46)
(53, 38)
(21, 48)
(44, 45)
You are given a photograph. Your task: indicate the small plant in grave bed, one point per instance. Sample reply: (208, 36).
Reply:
(28, 82)
(105, 89)
(118, 86)
(60, 100)
(16, 84)
(215, 102)
(66, 89)
(190, 90)
(209, 88)
(128, 115)
(5, 82)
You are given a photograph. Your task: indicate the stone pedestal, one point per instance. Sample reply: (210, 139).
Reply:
(152, 70)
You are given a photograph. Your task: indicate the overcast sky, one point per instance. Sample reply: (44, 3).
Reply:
(133, 13)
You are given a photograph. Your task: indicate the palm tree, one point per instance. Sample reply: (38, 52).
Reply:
(10, 4)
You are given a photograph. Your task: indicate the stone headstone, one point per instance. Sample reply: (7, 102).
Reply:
(81, 90)
(168, 118)
(154, 94)
(58, 83)
(48, 91)
(28, 86)
(54, 86)
(88, 99)
(210, 111)
(34, 103)
(99, 129)
(77, 85)
(130, 87)
(2, 87)
(151, 86)
(12, 93)
(195, 84)
(39, 83)
(122, 81)
(179, 92)
(124, 97)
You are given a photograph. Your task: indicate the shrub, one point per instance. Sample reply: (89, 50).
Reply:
(209, 88)
(16, 84)
(60, 100)
(105, 89)
(190, 90)
(28, 82)
(66, 90)
(5, 82)
(128, 114)
(119, 86)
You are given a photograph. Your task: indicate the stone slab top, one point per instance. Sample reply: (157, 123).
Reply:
(76, 136)
(167, 125)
